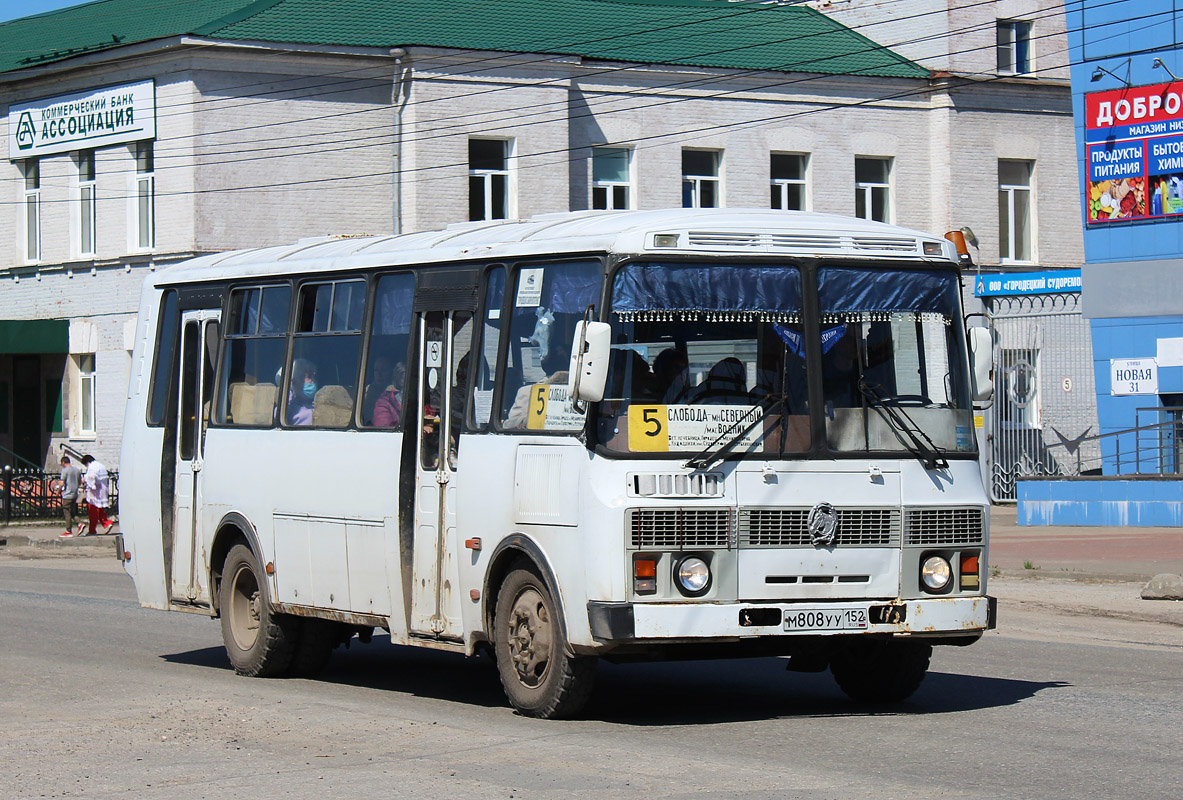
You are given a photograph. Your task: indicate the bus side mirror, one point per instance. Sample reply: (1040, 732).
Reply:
(589, 361)
(981, 351)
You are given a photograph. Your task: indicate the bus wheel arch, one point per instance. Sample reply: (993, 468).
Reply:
(233, 529)
(517, 552)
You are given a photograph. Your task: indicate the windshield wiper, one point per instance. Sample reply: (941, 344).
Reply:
(708, 457)
(916, 441)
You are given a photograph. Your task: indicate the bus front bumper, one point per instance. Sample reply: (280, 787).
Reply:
(655, 622)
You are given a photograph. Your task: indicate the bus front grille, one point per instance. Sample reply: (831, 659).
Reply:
(788, 527)
(943, 526)
(680, 528)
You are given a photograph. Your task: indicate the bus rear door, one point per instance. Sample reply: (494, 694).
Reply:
(199, 343)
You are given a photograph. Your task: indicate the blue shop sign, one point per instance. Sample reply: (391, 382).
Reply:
(1017, 283)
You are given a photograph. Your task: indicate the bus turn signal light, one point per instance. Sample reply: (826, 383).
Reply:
(472, 544)
(645, 575)
(969, 571)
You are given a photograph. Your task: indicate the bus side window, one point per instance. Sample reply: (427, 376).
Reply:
(255, 338)
(322, 382)
(485, 369)
(383, 397)
(548, 301)
(164, 367)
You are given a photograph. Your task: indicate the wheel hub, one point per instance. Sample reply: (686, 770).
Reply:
(530, 637)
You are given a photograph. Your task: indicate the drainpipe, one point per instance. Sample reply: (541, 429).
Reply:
(396, 106)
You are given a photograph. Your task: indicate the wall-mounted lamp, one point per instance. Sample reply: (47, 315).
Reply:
(1099, 71)
(1157, 64)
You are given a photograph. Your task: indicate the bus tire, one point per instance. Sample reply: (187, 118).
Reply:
(879, 671)
(258, 641)
(541, 679)
(314, 647)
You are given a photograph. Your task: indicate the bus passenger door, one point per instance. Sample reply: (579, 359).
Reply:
(199, 343)
(444, 341)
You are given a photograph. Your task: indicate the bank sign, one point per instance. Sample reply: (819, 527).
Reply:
(1134, 148)
(82, 120)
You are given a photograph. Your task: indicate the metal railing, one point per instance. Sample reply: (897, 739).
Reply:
(1152, 449)
(33, 494)
(18, 459)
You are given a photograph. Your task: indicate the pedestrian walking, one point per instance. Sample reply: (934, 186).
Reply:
(97, 487)
(71, 480)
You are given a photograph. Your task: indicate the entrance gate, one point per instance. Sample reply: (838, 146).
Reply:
(1044, 390)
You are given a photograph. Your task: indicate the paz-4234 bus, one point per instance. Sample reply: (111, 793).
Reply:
(620, 435)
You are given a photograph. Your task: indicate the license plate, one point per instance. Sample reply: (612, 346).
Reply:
(826, 619)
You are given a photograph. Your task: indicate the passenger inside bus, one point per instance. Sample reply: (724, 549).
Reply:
(387, 410)
(301, 396)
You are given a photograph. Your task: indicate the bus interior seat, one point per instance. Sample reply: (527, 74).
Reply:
(242, 398)
(252, 404)
(332, 407)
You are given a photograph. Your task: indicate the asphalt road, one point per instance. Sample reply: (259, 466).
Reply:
(102, 699)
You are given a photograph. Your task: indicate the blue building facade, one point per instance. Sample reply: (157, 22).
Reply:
(1128, 113)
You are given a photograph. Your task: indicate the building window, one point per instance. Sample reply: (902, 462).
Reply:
(86, 203)
(700, 178)
(872, 189)
(32, 172)
(1014, 211)
(145, 197)
(86, 412)
(488, 179)
(787, 172)
(611, 186)
(1014, 47)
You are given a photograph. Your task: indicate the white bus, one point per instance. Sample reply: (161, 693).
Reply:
(620, 435)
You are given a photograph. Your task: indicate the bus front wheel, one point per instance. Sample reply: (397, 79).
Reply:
(540, 677)
(259, 642)
(880, 671)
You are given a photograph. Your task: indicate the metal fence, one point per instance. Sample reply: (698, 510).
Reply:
(31, 494)
(1150, 448)
(1045, 407)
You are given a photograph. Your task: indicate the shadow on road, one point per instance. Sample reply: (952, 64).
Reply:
(658, 694)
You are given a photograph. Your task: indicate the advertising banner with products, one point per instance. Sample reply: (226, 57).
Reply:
(82, 120)
(1134, 150)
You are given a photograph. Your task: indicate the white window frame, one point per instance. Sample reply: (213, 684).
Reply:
(143, 199)
(695, 183)
(781, 185)
(485, 176)
(1008, 241)
(86, 216)
(866, 191)
(610, 187)
(31, 211)
(87, 405)
(1013, 38)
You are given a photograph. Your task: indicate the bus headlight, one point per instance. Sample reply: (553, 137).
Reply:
(693, 576)
(935, 573)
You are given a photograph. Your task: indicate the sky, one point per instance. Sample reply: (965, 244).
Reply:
(12, 9)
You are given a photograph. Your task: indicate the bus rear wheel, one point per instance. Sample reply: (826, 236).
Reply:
(541, 679)
(880, 671)
(259, 642)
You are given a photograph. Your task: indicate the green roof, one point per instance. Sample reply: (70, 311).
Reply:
(705, 33)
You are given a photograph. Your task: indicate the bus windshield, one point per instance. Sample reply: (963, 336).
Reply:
(703, 353)
(893, 372)
(707, 357)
